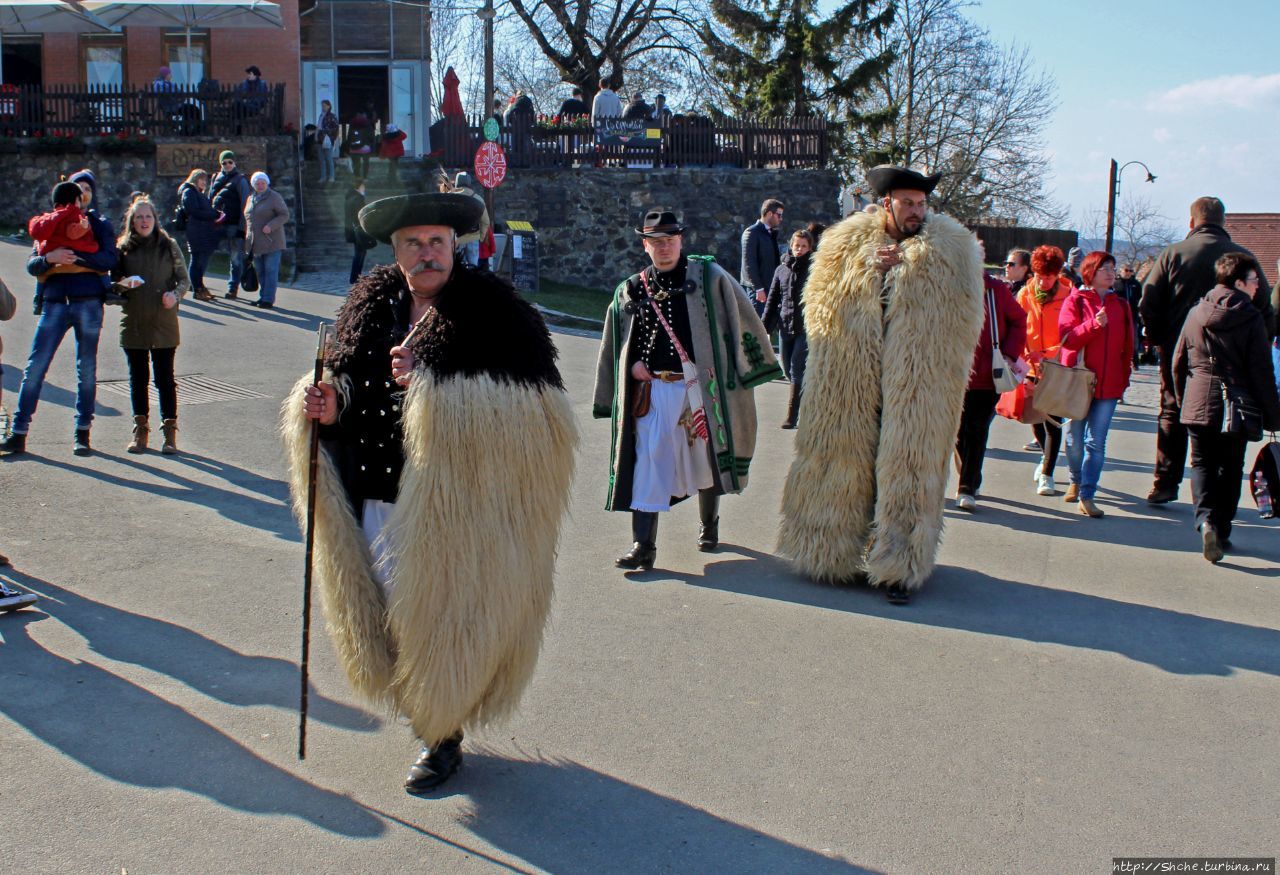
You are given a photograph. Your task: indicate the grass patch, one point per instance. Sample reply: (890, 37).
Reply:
(575, 300)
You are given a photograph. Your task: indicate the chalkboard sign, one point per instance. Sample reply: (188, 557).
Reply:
(179, 159)
(621, 131)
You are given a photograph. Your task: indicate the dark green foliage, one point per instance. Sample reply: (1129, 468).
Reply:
(776, 58)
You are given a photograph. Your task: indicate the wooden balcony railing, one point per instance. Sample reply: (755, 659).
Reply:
(680, 141)
(90, 110)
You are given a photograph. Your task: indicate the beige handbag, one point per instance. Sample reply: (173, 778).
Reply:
(1063, 391)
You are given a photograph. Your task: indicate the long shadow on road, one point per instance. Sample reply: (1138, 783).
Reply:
(564, 817)
(128, 734)
(958, 598)
(268, 515)
(185, 655)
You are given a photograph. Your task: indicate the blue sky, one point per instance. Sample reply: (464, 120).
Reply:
(1191, 88)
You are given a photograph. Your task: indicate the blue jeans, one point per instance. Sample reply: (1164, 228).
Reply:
(268, 268)
(199, 263)
(235, 246)
(1087, 445)
(326, 162)
(84, 317)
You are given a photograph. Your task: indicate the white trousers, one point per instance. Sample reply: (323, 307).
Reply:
(374, 523)
(670, 461)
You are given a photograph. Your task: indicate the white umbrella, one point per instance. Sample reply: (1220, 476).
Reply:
(188, 15)
(45, 16)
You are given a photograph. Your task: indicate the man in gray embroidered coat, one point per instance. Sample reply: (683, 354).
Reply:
(683, 343)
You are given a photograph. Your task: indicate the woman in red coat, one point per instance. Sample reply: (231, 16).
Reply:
(1010, 322)
(392, 148)
(1095, 323)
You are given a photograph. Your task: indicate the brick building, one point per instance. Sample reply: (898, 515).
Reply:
(356, 53)
(1260, 234)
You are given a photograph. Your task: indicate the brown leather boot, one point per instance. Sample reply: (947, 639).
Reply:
(169, 428)
(141, 431)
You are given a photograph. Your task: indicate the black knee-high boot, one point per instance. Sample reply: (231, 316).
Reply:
(709, 514)
(643, 553)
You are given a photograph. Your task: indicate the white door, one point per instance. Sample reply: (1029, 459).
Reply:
(319, 82)
(403, 104)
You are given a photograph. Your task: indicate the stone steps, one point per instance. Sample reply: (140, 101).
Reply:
(321, 244)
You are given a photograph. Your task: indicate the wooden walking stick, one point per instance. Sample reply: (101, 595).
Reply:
(322, 341)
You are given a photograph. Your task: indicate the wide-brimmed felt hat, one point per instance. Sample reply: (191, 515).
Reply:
(461, 212)
(890, 177)
(660, 223)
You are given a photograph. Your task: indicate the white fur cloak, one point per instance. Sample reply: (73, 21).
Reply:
(475, 528)
(883, 391)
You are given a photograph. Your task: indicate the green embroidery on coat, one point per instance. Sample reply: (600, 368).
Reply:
(751, 348)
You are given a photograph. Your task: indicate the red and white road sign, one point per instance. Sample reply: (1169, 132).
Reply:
(491, 165)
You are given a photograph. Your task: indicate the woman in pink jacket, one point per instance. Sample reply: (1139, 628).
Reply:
(1098, 324)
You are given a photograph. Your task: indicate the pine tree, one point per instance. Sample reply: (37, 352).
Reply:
(776, 59)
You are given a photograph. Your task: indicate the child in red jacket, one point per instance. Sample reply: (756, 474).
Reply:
(392, 149)
(66, 226)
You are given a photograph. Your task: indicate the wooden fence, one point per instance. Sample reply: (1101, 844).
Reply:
(681, 141)
(91, 110)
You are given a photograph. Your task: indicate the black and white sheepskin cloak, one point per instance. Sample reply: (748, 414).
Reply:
(883, 392)
(489, 441)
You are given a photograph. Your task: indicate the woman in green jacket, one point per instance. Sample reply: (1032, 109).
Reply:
(153, 271)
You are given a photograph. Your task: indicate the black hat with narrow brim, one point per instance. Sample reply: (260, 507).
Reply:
(889, 177)
(660, 223)
(382, 218)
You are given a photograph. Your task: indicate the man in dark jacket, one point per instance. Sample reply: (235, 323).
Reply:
(575, 105)
(1181, 276)
(760, 256)
(230, 190)
(1128, 288)
(354, 234)
(74, 286)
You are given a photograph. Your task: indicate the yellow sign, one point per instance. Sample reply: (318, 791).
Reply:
(179, 159)
(519, 226)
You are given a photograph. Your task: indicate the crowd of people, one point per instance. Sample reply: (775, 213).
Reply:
(1077, 310)
(899, 346)
(80, 264)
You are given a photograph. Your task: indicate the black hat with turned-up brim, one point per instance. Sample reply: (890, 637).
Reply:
(885, 178)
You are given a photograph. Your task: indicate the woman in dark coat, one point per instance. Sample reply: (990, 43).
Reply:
(152, 270)
(1223, 347)
(203, 228)
(784, 310)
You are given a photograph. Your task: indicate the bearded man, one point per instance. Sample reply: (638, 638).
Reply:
(680, 357)
(447, 451)
(893, 308)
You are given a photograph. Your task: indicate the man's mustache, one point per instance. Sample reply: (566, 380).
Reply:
(422, 266)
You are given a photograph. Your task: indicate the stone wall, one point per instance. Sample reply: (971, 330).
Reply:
(26, 180)
(586, 218)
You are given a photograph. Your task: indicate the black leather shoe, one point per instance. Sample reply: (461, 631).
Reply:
(82, 447)
(1224, 543)
(897, 594)
(434, 767)
(1162, 495)
(14, 445)
(709, 535)
(640, 557)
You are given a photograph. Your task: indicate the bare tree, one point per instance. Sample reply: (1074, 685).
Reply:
(961, 104)
(1141, 230)
(587, 40)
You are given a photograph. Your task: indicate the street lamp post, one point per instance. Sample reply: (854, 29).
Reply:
(486, 14)
(1113, 194)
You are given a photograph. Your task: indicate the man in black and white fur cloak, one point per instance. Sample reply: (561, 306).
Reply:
(893, 308)
(443, 479)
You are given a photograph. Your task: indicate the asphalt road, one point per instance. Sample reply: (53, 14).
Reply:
(1063, 691)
